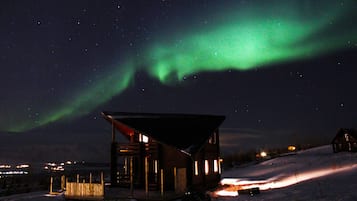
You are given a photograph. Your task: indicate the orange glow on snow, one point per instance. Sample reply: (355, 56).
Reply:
(232, 185)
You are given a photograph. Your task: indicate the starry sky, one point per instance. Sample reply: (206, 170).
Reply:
(282, 72)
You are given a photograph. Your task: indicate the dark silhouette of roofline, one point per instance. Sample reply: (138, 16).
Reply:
(158, 115)
(186, 132)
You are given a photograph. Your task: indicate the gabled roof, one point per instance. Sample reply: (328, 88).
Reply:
(342, 131)
(186, 132)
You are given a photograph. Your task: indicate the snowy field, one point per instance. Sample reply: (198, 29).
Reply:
(314, 174)
(35, 196)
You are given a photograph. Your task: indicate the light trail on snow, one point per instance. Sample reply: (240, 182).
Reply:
(230, 186)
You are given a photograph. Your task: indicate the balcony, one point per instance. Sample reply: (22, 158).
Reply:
(136, 148)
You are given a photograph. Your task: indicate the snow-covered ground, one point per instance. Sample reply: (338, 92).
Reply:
(314, 174)
(35, 196)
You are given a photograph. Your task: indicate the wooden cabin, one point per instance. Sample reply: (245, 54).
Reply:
(345, 140)
(165, 152)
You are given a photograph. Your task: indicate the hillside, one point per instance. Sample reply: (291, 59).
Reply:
(313, 174)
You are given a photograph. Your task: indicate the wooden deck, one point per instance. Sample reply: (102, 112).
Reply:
(139, 195)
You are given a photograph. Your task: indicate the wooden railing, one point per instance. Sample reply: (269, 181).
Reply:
(151, 148)
(84, 190)
(132, 149)
(128, 149)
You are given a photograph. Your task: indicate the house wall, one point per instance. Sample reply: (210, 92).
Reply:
(340, 143)
(209, 152)
(170, 159)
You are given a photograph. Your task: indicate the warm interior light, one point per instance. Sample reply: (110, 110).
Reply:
(196, 168)
(206, 167)
(215, 165)
(155, 166)
(143, 138)
(263, 154)
(291, 148)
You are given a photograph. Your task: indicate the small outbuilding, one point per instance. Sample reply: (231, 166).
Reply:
(165, 152)
(345, 140)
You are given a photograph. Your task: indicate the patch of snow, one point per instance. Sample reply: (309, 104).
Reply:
(313, 174)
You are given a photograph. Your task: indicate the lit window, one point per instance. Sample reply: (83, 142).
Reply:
(196, 168)
(206, 167)
(346, 137)
(215, 165)
(219, 166)
(143, 138)
(155, 166)
(212, 139)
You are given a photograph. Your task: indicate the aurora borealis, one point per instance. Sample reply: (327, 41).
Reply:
(276, 34)
(247, 37)
(285, 68)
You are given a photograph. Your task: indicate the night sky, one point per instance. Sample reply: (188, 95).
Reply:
(282, 72)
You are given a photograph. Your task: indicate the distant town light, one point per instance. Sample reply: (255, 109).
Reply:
(263, 154)
(51, 164)
(13, 172)
(5, 166)
(291, 148)
(22, 166)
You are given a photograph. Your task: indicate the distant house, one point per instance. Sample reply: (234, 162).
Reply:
(165, 152)
(345, 140)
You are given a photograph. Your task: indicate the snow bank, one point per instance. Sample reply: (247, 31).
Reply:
(314, 174)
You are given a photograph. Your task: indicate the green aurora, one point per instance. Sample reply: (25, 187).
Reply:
(251, 39)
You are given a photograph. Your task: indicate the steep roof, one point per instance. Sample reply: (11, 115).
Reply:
(186, 132)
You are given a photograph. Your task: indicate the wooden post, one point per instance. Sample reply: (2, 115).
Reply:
(146, 176)
(175, 179)
(51, 185)
(113, 164)
(91, 190)
(131, 177)
(63, 180)
(126, 166)
(102, 182)
(90, 178)
(113, 131)
(162, 182)
(113, 158)
(66, 184)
